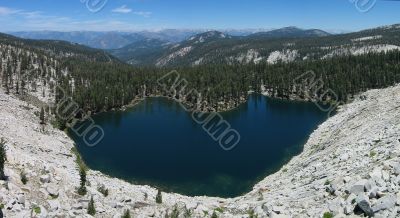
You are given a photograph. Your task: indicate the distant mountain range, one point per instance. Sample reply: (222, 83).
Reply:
(199, 47)
(116, 40)
(282, 45)
(108, 40)
(162, 52)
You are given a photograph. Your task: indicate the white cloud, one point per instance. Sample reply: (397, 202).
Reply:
(7, 11)
(38, 20)
(123, 10)
(143, 13)
(31, 14)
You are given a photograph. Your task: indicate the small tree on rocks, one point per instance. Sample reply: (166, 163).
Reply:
(82, 188)
(24, 179)
(187, 213)
(159, 197)
(42, 116)
(127, 214)
(175, 212)
(91, 209)
(102, 189)
(3, 158)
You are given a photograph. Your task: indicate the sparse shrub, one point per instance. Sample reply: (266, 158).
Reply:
(214, 215)
(37, 209)
(251, 214)
(127, 214)
(219, 209)
(372, 153)
(187, 213)
(159, 197)
(5, 185)
(24, 179)
(91, 209)
(103, 190)
(327, 215)
(260, 196)
(327, 182)
(175, 212)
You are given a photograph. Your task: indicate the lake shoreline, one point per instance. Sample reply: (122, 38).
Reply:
(257, 115)
(299, 189)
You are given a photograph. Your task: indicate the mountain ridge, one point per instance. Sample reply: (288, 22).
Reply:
(101, 39)
(291, 32)
(266, 48)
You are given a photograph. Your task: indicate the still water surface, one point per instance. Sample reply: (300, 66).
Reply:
(157, 143)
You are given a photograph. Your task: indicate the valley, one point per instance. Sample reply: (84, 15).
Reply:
(344, 164)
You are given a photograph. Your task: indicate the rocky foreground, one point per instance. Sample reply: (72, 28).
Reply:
(350, 167)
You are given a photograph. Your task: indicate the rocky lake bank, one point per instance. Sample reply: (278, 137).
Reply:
(350, 166)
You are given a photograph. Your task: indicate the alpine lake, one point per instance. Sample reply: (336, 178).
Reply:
(158, 143)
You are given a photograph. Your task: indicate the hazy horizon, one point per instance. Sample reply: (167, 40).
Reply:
(155, 15)
(333, 31)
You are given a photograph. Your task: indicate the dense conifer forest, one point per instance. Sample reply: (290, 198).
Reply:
(97, 84)
(102, 86)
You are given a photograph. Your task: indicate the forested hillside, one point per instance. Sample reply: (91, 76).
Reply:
(284, 45)
(141, 53)
(59, 49)
(97, 84)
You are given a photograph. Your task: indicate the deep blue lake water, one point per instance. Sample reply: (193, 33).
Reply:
(157, 143)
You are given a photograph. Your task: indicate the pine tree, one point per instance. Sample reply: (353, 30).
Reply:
(127, 214)
(91, 208)
(42, 121)
(17, 88)
(175, 212)
(3, 158)
(159, 197)
(23, 84)
(214, 215)
(187, 213)
(6, 84)
(82, 173)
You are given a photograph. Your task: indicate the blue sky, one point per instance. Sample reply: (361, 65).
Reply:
(129, 15)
